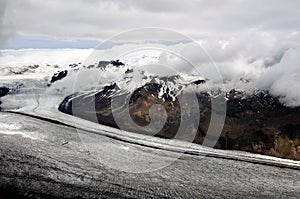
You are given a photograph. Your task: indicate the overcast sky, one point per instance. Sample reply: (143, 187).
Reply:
(100, 19)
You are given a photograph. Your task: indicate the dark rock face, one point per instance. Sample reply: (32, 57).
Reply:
(128, 71)
(58, 76)
(199, 82)
(258, 123)
(104, 64)
(117, 63)
(261, 124)
(4, 91)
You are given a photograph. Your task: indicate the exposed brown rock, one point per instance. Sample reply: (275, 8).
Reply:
(257, 123)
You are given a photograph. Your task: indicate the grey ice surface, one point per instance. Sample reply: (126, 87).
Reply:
(42, 159)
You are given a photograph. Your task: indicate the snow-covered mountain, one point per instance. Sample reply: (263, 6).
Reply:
(251, 123)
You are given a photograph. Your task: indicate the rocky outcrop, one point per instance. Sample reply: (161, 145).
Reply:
(256, 123)
(3, 91)
(104, 64)
(58, 76)
(260, 124)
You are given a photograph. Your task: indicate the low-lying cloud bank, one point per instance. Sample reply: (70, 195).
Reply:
(250, 60)
(283, 79)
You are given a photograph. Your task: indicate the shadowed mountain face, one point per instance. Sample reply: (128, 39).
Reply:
(256, 123)
(3, 91)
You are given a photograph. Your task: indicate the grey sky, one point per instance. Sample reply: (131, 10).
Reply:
(102, 19)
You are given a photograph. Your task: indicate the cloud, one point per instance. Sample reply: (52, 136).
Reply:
(102, 19)
(254, 60)
(261, 60)
(3, 33)
(26, 57)
(283, 79)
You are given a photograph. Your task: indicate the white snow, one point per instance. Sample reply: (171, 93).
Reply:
(13, 129)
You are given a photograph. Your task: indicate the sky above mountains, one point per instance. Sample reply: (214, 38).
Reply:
(79, 23)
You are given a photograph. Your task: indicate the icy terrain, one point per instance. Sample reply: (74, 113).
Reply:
(74, 157)
(31, 93)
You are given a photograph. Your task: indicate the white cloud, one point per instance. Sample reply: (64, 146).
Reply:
(283, 79)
